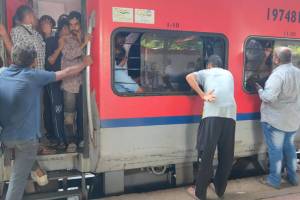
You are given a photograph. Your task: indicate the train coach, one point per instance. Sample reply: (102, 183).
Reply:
(137, 138)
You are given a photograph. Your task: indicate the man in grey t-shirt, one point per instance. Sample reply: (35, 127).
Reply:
(217, 127)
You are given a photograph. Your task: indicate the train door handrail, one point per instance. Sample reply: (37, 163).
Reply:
(91, 26)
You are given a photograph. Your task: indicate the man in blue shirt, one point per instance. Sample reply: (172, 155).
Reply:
(20, 91)
(123, 82)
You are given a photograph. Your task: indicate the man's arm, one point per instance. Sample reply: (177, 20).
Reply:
(192, 81)
(61, 43)
(272, 89)
(6, 39)
(73, 70)
(87, 38)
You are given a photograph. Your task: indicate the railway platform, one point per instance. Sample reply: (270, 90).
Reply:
(238, 189)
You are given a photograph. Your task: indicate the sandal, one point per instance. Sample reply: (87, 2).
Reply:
(61, 146)
(192, 192)
(40, 177)
(43, 150)
(72, 148)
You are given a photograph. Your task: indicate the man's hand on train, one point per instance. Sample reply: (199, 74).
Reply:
(87, 61)
(3, 32)
(258, 87)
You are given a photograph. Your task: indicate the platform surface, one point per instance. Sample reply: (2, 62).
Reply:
(239, 189)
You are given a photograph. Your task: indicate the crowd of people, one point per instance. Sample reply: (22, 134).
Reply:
(48, 63)
(44, 79)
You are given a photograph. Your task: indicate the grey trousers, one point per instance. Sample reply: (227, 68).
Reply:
(25, 156)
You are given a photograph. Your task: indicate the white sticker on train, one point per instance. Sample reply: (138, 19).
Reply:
(144, 16)
(122, 14)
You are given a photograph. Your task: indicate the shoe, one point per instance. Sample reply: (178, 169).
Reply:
(293, 183)
(61, 146)
(44, 150)
(40, 177)
(81, 144)
(264, 181)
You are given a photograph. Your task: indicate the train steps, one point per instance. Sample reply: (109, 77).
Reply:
(58, 187)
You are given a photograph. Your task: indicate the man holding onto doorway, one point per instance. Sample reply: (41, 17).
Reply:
(72, 54)
(20, 89)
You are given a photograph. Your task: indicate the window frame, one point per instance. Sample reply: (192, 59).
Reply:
(260, 37)
(143, 30)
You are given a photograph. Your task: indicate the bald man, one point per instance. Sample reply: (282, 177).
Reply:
(280, 117)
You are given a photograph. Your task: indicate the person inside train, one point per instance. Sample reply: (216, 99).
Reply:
(217, 126)
(258, 63)
(123, 82)
(130, 43)
(200, 64)
(25, 32)
(20, 89)
(46, 25)
(280, 117)
(72, 53)
(53, 95)
(167, 76)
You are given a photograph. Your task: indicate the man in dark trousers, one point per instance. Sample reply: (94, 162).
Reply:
(217, 127)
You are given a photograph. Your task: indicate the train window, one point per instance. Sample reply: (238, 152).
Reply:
(258, 59)
(154, 62)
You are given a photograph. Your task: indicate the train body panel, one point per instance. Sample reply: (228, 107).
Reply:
(136, 129)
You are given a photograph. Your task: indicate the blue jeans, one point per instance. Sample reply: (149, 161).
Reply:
(280, 148)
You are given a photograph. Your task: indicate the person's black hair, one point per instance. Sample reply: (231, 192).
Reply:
(15, 21)
(61, 23)
(76, 15)
(21, 12)
(120, 54)
(47, 18)
(215, 60)
(23, 56)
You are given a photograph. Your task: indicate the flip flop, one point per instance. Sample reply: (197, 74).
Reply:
(43, 150)
(191, 191)
(72, 148)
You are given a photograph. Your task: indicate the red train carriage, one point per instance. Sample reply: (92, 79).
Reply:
(127, 131)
